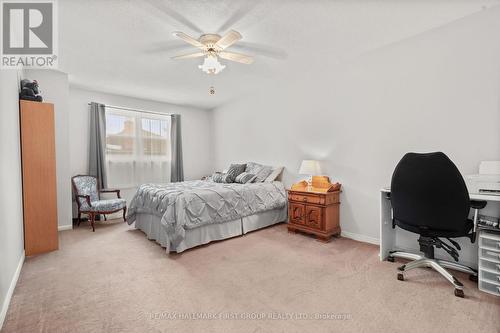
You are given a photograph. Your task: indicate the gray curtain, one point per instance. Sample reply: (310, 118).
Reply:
(176, 169)
(97, 147)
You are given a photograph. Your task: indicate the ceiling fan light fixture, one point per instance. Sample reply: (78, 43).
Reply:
(213, 47)
(211, 65)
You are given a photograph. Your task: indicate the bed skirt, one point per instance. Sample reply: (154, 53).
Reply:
(152, 227)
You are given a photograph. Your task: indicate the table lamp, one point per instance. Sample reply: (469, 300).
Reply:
(310, 168)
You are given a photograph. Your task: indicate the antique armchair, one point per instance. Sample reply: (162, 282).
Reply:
(87, 195)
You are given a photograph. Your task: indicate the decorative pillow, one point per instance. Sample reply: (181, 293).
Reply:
(219, 177)
(261, 171)
(274, 174)
(234, 171)
(253, 167)
(245, 177)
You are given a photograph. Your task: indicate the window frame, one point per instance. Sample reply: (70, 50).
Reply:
(141, 165)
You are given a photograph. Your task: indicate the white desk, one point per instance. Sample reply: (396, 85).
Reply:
(402, 240)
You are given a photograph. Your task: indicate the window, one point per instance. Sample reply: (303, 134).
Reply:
(137, 148)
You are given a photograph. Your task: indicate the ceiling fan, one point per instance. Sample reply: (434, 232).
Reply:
(212, 47)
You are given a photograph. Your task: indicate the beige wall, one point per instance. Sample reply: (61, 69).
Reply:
(11, 224)
(439, 90)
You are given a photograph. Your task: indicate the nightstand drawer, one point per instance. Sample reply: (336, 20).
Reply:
(314, 199)
(296, 213)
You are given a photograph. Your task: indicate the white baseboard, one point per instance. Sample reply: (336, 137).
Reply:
(65, 227)
(359, 237)
(10, 292)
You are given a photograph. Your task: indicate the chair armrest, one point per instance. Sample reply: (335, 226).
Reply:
(478, 204)
(86, 197)
(110, 190)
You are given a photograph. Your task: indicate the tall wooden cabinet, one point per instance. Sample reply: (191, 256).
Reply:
(39, 177)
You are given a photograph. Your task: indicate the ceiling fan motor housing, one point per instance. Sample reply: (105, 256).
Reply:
(209, 41)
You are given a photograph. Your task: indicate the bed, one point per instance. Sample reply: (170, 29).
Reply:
(179, 216)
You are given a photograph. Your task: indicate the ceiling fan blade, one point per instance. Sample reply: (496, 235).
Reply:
(169, 46)
(189, 56)
(188, 39)
(238, 57)
(228, 39)
(260, 49)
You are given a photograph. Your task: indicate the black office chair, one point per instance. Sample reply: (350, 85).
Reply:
(429, 197)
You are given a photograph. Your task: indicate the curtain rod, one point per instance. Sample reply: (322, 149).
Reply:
(137, 110)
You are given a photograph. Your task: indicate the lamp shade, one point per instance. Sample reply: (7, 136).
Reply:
(310, 167)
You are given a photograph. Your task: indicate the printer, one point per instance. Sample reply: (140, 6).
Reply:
(487, 182)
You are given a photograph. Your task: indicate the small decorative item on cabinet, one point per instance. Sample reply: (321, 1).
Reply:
(30, 91)
(315, 209)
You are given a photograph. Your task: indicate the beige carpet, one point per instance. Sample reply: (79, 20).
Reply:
(115, 280)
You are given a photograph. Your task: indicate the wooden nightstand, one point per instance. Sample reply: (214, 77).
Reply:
(314, 213)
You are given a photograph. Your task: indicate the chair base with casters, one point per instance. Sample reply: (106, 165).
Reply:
(436, 264)
(427, 245)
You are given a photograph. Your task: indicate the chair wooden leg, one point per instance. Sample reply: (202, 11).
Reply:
(79, 218)
(92, 220)
(125, 214)
(105, 218)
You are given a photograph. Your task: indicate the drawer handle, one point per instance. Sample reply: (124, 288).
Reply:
(498, 266)
(304, 199)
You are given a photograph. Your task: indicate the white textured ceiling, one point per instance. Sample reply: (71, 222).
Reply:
(124, 47)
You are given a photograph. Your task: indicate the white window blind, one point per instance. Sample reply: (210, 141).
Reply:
(137, 148)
